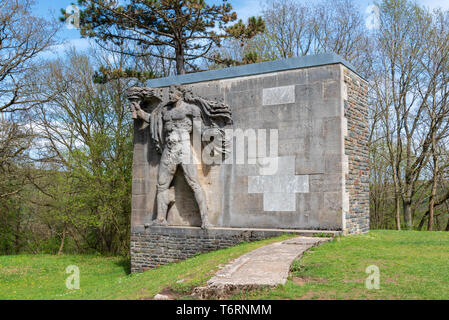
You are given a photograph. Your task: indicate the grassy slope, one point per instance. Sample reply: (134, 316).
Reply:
(43, 276)
(412, 265)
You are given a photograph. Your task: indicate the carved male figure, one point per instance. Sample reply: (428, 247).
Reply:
(171, 127)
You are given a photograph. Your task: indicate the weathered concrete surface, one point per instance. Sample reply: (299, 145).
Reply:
(317, 114)
(266, 266)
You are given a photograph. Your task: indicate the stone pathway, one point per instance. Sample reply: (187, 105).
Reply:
(265, 266)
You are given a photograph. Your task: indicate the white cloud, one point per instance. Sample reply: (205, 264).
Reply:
(81, 45)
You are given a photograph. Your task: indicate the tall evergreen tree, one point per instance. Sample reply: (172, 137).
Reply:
(189, 27)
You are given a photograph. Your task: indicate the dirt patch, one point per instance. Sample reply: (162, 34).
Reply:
(353, 281)
(10, 271)
(223, 292)
(313, 295)
(300, 281)
(143, 293)
(167, 292)
(171, 294)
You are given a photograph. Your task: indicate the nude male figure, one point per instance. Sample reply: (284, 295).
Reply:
(179, 119)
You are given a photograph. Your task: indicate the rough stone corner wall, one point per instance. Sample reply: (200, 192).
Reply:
(356, 217)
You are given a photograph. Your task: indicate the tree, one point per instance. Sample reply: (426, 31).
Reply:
(140, 27)
(294, 29)
(411, 93)
(14, 170)
(86, 131)
(380, 187)
(437, 171)
(22, 38)
(289, 30)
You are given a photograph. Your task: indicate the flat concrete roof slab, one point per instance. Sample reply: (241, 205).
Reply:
(252, 69)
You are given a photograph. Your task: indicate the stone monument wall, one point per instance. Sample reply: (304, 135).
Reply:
(313, 113)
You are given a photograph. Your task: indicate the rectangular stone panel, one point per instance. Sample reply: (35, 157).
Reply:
(279, 201)
(282, 183)
(278, 95)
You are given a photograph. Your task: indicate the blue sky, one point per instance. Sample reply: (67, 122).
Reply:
(244, 9)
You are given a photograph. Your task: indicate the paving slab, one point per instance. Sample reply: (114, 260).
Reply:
(266, 266)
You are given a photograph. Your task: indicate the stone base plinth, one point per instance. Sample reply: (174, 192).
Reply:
(155, 246)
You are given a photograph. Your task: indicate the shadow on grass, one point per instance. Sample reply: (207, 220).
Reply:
(125, 263)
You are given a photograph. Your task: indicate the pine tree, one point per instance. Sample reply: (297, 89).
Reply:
(189, 27)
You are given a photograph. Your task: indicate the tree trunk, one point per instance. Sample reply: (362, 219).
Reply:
(17, 233)
(423, 219)
(180, 59)
(431, 206)
(62, 241)
(434, 184)
(398, 213)
(407, 207)
(78, 247)
(447, 226)
(438, 221)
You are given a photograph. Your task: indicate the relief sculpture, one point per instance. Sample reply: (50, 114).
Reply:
(174, 122)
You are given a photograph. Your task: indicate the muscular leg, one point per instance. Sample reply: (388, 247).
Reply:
(191, 175)
(165, 175)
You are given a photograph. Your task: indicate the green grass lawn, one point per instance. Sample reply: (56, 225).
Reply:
(413, 265)
(44, 277)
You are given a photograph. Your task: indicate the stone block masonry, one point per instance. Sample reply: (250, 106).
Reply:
(357, 153)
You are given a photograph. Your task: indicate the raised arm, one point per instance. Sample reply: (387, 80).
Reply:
(136, 95)
(145, 116)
